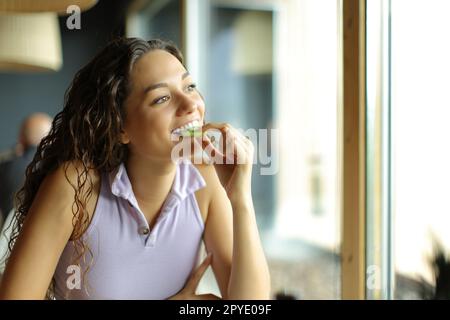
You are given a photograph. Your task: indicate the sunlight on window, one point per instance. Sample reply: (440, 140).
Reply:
(420, 124)
(307, 98)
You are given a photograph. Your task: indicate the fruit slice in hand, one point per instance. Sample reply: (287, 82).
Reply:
(192, 132)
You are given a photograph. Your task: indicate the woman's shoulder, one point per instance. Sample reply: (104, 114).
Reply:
(71, 176)
(65, 177)
(60, 185)
(204, 195)
(208, 173)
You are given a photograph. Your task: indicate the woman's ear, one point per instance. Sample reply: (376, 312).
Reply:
(124, 137)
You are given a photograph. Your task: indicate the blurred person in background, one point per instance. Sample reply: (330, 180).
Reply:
(12, 170)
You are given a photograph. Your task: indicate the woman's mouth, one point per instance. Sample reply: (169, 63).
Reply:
(189, 129)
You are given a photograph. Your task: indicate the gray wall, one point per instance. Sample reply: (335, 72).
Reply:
(21, 94)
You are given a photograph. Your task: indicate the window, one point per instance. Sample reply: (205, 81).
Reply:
(408, 211)
(274, 65)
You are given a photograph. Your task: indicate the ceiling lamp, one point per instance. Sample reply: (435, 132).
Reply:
(30, 42)
(252, 50)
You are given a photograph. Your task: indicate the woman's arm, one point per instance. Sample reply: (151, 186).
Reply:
(231, 235)
(45, 232)
(232, 205)
(250, 278)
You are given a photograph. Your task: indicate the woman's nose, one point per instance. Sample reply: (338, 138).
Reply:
(187, 105)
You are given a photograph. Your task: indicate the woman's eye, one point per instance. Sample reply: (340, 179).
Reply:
(161, 100)
(191, 87)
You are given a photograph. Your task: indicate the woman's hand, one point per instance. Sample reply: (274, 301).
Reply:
(236, 149)
(188, 292)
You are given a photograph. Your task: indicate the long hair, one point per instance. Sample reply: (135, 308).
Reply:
(87, 131)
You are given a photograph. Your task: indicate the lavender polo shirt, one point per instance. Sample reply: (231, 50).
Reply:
(130, 261)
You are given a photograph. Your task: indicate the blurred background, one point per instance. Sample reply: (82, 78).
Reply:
(277, 64)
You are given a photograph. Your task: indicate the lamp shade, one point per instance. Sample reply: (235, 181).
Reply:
(33, 6)
(252, 52)
(30, 42)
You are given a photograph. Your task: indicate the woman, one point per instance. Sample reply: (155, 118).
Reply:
(105, 212)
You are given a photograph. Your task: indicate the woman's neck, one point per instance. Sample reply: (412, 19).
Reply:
(151, 179)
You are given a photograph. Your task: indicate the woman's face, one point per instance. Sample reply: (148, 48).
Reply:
(163, 97)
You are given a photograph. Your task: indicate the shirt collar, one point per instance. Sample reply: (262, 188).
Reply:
(187, 181)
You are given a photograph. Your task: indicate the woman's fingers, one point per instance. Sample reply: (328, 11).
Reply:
(209, 296)
(211, 148)
(237, 148)
(225, 137)
(198, 273)
(223, 127)
(220, 143)
(188, 292)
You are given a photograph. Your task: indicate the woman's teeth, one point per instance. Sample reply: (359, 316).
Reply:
(193, 125)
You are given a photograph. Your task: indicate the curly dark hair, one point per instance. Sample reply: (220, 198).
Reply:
(87, 131)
